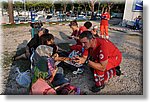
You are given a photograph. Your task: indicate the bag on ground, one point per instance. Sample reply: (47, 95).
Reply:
(23, 78)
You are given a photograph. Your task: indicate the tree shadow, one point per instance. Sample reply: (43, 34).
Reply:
(9, 80)
(23, 64)
(63, 35)
(65, 43)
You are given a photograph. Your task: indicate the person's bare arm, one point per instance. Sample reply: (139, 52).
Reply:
(27, 53)
(57, 58)
(53, 75)
(98, 66)
(62, 59)
(102, 10)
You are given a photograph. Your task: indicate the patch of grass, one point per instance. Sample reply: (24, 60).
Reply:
(14, 25)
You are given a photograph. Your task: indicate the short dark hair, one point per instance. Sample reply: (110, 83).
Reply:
(45, 31)
(88, 24)
(87, 34)
(46, 37)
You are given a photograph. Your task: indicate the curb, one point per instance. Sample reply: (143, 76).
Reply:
(14, 23)
(53, 23)
(124, 29)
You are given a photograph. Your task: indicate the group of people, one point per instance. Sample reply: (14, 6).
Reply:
(98, 52)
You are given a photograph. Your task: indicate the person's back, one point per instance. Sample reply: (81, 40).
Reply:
(33, 43)
(87, 25)
(82, 28)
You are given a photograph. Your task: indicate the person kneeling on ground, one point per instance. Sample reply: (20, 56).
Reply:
(32, 45)
(103, 57)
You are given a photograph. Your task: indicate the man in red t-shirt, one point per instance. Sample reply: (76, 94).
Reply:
(103, 57)
(104, 23)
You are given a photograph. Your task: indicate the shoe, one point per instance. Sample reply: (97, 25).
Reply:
(118, 71)
(97, 88)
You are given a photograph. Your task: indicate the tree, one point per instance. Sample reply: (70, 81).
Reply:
(10, 11)
(92, 3)
(4, 6)
(107, 4)
(18, 6)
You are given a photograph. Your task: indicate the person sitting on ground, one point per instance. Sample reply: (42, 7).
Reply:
(76, 32)
(95, 31)
(48, 39)
(45, 54)
(32, 45)
(104, 59)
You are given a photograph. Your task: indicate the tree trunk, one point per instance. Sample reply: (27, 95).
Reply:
(10, 11)
(72, 8)
(65, 6)
(92, 2)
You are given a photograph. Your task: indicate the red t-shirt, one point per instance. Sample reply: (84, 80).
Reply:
(77, 33)
(104, 20)
(104, 50)
(82, 28)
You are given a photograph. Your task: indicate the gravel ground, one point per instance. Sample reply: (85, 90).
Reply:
(131, 83)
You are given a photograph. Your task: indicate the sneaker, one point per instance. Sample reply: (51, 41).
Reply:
(79, 71)
(97, 88)
(118, 71)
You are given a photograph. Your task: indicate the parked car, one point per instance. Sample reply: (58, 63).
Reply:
(40, 18)
(81, 17)
(116, 15)
(16, 19)
(20, 19)
(61, 17)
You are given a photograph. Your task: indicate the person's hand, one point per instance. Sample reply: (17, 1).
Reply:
(79, 60)
(103, 17)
